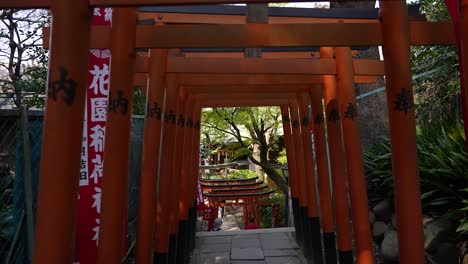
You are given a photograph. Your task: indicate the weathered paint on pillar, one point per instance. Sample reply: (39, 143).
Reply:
(315, 236)
(290, 154)
(114, 201)
(175, 179)
(195, 159)
(165, 190)
(185, 184)
(337, 162)
(177, 162)
(186, 152)
(304, 228)
(309, 163)
(195, 168)
(297, 139)
(321, 157)
(150, 155)
(63, 128)
(354, 162)
(292, 169)
(396, 50)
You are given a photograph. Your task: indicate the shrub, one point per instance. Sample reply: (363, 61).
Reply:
(443, 163)
(265, 211)
(242, 174)
(211, 176)
(282, 159)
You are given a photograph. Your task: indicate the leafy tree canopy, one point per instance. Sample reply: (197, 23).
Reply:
(246, 126)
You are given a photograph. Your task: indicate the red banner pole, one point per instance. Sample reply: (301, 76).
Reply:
(92, 154)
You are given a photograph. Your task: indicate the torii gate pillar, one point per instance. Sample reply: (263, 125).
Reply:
(63, 126)
(400, 103)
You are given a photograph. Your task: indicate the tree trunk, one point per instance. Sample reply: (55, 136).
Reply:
(279, 180)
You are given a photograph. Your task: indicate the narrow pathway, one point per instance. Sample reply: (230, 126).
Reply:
(261, 246)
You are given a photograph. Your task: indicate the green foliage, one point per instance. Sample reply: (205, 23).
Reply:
(242, 174)
(139, 101)
(241, 153)
(443, 175)
(236, 175)
(265, 211)
(247, 126)
(463, 227)
(211, 176)
(436, 93)
(282, 159)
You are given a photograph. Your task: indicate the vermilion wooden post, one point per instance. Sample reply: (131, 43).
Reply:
(337, 161)
(400, 102)
(176, 178)
(194, 171)
(315, 236)
(321, 157)
(150, 155)
(186, 184)
(354, 162)
(292, 171)
(165, 190)
(117, 138)
(63, 128)
(300, 168)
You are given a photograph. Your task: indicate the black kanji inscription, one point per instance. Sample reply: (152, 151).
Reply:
(286, 119)
(351, 111)
(305, 121)
(153, 111)
(318, 120)
(189, 123)
(334, 116)
(170, 117)
(181, 120)
(295, 124)
(65, 85)
(119, 104)
(404, 101)
(197, 124)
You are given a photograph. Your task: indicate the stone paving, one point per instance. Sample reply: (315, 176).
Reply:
(261, 246)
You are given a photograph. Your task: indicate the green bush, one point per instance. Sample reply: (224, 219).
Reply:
(282, 159)
(443, 163)
(241, 153)
(242, 174)
(265, 211)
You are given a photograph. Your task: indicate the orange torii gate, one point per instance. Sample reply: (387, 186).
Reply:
(307, 199)
(247, 193)
(63, 122)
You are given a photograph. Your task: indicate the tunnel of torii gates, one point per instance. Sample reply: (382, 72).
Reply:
(297, 86)
(247, 193)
